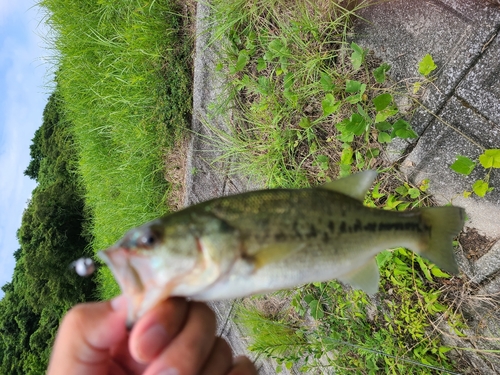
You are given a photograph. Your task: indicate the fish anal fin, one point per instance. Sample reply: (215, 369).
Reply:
(355, 186)
(365, 277)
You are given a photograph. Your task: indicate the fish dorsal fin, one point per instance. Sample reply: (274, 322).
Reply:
(365, 278)
(355, 186)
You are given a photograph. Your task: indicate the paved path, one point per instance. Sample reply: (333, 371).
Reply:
(462, 116)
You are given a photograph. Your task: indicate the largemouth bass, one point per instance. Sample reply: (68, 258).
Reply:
(267, 240)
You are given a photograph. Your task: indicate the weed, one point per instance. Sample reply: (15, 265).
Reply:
(489, 160)
(304, 95)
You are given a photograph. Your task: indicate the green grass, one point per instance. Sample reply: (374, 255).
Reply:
(124, 71)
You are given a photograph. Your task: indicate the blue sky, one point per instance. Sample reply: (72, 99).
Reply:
(23, 95)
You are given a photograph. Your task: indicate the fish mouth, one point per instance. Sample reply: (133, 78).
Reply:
(128, 279)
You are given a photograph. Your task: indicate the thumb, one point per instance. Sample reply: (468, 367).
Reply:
(85, 337)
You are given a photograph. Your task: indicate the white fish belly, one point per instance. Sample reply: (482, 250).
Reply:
(244, 280)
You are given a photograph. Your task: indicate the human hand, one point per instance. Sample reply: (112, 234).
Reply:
(175, 338)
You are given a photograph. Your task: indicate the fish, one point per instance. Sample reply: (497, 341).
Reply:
(267, 240)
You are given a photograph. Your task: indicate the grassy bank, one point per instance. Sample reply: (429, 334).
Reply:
(124, 70)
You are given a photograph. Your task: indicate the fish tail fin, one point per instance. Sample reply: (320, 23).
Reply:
(445, 223)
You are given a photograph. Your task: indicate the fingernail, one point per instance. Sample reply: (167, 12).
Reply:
(119, 303)
(152, 342)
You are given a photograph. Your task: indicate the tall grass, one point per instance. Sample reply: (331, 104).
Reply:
(278, 56)
(124, 73)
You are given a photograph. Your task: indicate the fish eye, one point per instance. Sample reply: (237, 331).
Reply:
(147, 240)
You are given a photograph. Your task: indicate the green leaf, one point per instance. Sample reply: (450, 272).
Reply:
(316, 309)
(444, 349)
(326, 82)
(264, 85)
(403, 206)
(391, 202)
(357, 124)
(353, 99)
(323, 162)
(313, 148)
(438, 273)
(383, 137)
(358, 56)
(382, 101)
(380, 72)
(345, 170)
(406, 133)
(402, 190)
(490, 158)
(277, 47)
(269, 56)
(329, 105)
(414, 193)
(384, 125)
(346, 137)
(305, 123)
(243, 58)
(284, 64)
(357, 48)
(385, 114)
(353, 86)
(463, 165)
(309, 298)
(480, 187)
(424, 185)
(346, 156)
(426, 65)
(403, 130)
(375, 193)
(383, 257)
(363, 113)
(373, 152)
(425, 268)
(261, 64)
(322, 159)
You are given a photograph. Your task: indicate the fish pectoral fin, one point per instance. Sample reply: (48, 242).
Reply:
(355, 186)
(274, 253)
(365, 278)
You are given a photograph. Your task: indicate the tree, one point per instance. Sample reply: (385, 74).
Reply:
(51, 236)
